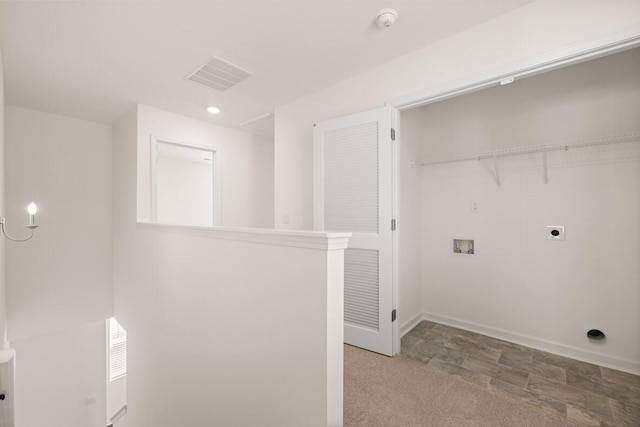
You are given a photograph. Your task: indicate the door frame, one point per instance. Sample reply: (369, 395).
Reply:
(590, 49)
(215, 164)
(386, 116)
(395, 283)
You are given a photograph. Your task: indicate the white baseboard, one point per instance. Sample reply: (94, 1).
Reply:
(630, 366)
(411, 323)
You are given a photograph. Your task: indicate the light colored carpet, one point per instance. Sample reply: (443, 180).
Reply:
(389, 392)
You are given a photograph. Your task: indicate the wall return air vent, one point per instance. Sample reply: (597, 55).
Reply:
(219, 74)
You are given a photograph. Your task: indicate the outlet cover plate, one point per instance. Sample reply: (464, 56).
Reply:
(555, 232)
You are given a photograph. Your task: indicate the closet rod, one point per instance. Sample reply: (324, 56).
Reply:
(604, 140)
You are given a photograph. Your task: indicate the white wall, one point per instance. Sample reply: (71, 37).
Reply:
(409, 223)
(60, 378)
(535, 29)
(116, 396)
(61, 278)
(3, 287)
(221, 329)
(597, 98)
(519, 285)
(59, 284)
(246, 163)
(7, 359)
(7, 381)
(528, 31)
(184, 192)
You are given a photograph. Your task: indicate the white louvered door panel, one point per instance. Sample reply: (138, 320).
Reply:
(353, 193)
(351, 179)
(361, 298)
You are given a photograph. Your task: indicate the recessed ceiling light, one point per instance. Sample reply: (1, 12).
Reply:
(213, 110)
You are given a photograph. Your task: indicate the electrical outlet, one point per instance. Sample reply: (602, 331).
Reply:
(475, 206)
(285, 217)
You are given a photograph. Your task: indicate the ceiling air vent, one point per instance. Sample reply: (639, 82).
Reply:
(219, 74)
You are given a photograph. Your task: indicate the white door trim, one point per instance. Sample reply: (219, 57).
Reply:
(215, 156)
(381, 338)
(628, 38)
(594, 48)
(395, 326)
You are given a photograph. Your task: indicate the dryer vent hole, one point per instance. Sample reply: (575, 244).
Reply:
(595, 334)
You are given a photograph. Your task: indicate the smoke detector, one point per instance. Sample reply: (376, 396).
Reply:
(386, 17)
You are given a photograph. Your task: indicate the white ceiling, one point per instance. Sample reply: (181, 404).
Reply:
(94, 60)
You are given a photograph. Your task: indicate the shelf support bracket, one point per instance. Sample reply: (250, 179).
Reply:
(495, 168)
(544, 165)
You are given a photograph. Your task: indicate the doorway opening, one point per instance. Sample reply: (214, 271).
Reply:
(500, 167)
(185, 184)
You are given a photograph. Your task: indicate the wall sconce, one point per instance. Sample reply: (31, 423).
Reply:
(32, 209)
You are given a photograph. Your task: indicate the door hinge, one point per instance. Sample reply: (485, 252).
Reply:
(393, 225)
(393, 134)
(393, 315)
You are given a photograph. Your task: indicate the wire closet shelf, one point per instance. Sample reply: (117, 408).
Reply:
(633, 136)
(590, 142)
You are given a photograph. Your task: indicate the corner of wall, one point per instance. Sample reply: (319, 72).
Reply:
(124, 167)
(3, 303)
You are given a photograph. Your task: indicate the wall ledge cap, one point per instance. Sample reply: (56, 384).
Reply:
(6, 355)
(319, 240)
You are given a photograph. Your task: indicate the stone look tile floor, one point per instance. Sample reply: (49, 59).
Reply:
(585, 394)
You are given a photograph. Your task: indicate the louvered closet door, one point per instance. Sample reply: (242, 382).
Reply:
(353, 193)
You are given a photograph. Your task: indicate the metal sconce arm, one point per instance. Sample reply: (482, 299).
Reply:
(32, 209)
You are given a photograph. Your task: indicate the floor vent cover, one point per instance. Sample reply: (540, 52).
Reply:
(219, 74)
